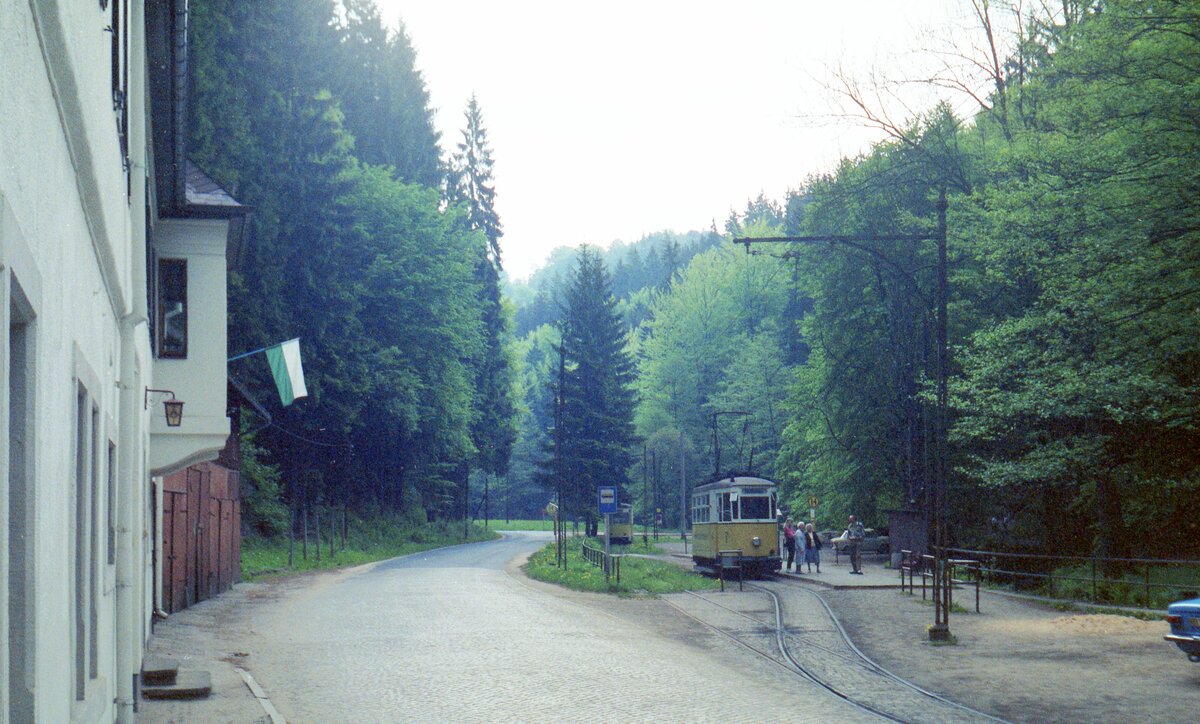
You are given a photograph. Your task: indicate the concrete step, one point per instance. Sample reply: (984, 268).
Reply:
(159, 670)
(188, 685)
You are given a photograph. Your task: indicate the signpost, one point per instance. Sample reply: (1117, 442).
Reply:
(608, 506)
(813, 502)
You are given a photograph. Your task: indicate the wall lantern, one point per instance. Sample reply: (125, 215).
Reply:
(172, 407)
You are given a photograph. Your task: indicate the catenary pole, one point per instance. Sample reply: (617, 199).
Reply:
(937, 491)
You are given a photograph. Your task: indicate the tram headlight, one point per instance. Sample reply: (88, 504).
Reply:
(756, 541)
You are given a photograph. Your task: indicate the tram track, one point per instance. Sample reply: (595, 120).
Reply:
(843, 670)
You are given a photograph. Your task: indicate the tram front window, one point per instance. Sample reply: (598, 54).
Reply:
(756, 508)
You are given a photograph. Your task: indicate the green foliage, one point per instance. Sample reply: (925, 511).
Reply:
(1081, 372)
(315, 115)
(262, 509)
(383, 96)
(713, 342)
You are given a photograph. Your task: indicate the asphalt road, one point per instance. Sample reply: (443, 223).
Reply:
(451, 635)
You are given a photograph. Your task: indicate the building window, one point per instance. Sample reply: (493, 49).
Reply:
(87, 542)
(172, 308)
(80, 530)
(120, 79)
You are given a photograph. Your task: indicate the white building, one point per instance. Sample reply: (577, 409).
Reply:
(112, 283)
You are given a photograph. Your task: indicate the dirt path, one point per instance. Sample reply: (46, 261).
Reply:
(1026, 662)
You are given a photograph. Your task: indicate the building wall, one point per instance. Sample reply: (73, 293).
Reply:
(69, 247)
(201, 243)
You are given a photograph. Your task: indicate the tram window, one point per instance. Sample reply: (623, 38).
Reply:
(756, 508)
(729, 507)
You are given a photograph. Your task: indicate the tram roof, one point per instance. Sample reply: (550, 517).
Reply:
(734, 481)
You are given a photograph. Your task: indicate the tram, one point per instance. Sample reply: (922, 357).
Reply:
(736, 513)
(622, 525)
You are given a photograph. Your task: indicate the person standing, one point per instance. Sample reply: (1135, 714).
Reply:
(854, 536)
(801, 549)
(812, 548)
(789, 542)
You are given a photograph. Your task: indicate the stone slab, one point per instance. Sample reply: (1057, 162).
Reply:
(188, 685)
(159, 670)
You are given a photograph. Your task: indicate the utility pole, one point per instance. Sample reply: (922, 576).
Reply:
(940, 631)
(683, 501)
(645, 494)
(560, 528)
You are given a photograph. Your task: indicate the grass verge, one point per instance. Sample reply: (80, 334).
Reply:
(367, 541)
(639, 576)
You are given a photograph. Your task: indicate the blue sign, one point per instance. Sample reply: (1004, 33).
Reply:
(608, 499)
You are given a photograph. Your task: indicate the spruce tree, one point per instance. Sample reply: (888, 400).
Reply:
(598, 402)
(471, 180)
(470, 183)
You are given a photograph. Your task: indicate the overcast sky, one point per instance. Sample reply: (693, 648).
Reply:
(613, 120)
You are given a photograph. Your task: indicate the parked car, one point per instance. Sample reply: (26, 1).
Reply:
(1184, 617)
(872, 543)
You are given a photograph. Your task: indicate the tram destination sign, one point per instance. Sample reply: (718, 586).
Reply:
(608, 499)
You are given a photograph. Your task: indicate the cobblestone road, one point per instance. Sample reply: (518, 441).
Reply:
(451, 636)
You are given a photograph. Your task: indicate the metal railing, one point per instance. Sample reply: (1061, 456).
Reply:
(963, 572)
(1092, 578)
(610, 562)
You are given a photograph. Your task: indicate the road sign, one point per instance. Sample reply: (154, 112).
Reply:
(608, 499)
(813, 502)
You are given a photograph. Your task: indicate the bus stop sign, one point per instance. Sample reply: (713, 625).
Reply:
(608, 499)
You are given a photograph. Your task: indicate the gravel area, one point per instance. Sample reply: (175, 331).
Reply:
(1026, 662)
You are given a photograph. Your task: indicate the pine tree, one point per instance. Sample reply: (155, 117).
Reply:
(471, 180)
(598, 403)
(494, 430)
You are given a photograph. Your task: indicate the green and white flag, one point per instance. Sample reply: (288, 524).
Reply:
(284, 359)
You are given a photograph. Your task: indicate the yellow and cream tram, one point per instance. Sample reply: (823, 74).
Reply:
(622, 525)
(736, 513)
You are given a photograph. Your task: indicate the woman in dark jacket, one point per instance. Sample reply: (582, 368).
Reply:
(812, 551)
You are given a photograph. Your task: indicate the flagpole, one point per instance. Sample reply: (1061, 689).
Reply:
(247, 354)
(260, 349)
